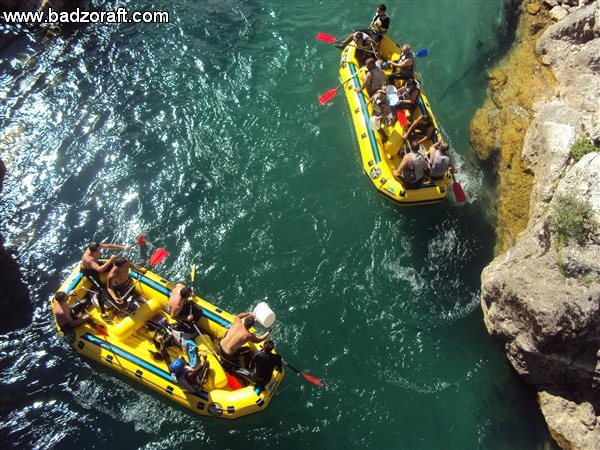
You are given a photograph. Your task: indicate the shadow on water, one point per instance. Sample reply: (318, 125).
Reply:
(16, 308)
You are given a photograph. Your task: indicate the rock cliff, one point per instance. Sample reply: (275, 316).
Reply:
(541, 297)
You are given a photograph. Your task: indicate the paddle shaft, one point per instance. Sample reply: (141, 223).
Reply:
(344, 82)
(291, 367)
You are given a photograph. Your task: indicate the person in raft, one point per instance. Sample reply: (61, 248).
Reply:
(440, 160)
(378, 27)
(91, 268)
(411, 170)
(119, 282)
(185, 312)
(188, 378)
(64, 316)
(403, 68)
(373, 80)
(176, 303)
(239, 334)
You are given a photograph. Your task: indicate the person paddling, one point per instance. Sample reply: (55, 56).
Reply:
(379, 26)
(91, 268)
(119, 282)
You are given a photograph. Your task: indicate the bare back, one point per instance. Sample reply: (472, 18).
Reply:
(237, 336)
(175, 302)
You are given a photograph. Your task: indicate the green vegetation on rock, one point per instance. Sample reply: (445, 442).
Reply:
(572, 219)
(581, 148)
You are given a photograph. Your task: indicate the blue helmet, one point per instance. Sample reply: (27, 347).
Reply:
(177, 365)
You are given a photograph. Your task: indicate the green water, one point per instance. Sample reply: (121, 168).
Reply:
(206, 134)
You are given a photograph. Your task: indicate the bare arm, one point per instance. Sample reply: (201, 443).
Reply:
(262, 337)
(139, 269)
(108, 246)
(453, 165)
(432, 152)
(402, 165)
(413, 126)
(359, 88)
(100, 267)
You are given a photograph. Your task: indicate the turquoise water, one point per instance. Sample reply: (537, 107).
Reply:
(206, 134)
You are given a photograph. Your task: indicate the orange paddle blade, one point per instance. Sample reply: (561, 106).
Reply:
(327, 96)
(158, 256)
(326, 38)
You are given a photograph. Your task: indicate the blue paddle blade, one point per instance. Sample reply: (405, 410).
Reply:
(422, 53)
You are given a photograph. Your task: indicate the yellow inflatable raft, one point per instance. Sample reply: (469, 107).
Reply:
(129, 345)
(379, 158)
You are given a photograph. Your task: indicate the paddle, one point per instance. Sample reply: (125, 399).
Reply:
(140, 240)
(401, 117)
(193, 275)
(422, 53)
(233, 382)
(327, 96)
(332, 40)
(310, 378)
(158, 256)
(326, 38)
(459, 195)
(323, 37)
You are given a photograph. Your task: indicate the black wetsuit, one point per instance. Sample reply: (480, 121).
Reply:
(262, 366)
(94, 277)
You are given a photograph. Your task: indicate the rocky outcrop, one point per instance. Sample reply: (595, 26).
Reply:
(541, 297)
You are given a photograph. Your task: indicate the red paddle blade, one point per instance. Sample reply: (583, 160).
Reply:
(158, 256)
(101, 330)
(327, 96)
(313, 380)
(140, 240)
(459, 194)
(326, 38)
(401, 118)
(234, 384)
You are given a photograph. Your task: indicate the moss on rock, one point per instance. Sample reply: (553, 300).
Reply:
(498, 128)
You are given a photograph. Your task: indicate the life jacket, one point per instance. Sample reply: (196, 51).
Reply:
(181, 381)
(440, 165)
(416, 173)
(377, 80)
(377, 22)
(407, 72)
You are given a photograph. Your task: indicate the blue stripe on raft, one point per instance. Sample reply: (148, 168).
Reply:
(134, 359)
(75, 282)
(128, 356)
(163, 290)
(365, 112)
(154, 285)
